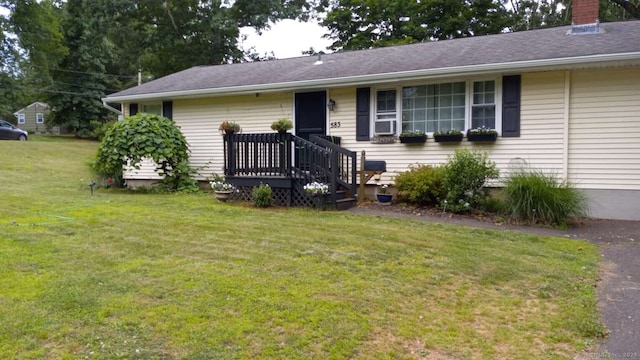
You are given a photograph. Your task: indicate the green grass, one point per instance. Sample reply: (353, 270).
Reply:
(120, 275)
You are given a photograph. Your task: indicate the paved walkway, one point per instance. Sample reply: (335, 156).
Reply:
(619, 287)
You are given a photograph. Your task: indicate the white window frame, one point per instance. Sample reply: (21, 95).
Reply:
(497, 101)
(374, 110)
(21, 119)
(143, 105)
(468, 100)
(39, 118)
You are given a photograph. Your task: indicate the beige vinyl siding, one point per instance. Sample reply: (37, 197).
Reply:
(604, 137)
(199, 120)
(147, 170)
(540, 143)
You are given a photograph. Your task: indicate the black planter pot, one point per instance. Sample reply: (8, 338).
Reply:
(413, 139)
(482, 137)
(448, 138)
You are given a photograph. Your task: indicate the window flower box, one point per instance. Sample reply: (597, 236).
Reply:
(451, 136)
(482, 135)
(413, 137)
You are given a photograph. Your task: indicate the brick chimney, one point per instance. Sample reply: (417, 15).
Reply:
(584, 15)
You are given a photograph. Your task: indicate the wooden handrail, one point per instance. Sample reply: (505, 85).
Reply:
(287, 155)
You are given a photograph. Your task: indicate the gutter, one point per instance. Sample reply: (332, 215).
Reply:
(519, 66)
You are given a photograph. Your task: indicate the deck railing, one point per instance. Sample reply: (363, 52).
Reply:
(343, 164)
(257, 154)
(274, 155)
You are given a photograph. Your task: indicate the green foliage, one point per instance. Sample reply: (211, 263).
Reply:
(466, 173)
(421, 184)
(262, 196)
(537, 197)
(180, 178)
(100, 128)
(282, 125)
(147, 136)
(362, 24)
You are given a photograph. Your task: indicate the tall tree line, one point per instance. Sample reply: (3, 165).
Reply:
(70, 53)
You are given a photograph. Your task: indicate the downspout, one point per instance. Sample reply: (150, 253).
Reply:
(565, 132)
(111, 108)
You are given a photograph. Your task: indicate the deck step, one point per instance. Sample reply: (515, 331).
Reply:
(345, 204)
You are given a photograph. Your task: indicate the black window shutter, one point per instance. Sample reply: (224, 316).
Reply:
(363, 119)
(511, 106)
(133, 109)
(167, 109)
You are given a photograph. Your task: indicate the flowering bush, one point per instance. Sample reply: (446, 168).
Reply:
(221, 186)
(316, 188)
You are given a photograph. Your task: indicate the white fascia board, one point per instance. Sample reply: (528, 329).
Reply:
(519, 66)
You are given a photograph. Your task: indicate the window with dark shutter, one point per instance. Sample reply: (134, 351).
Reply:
(167, 109)
(511, 106)
(363, 118)
(133, 109)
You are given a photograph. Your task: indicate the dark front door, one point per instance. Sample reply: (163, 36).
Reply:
(311, 114)
(311, 119)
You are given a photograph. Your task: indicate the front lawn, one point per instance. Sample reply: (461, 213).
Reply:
(120, 275)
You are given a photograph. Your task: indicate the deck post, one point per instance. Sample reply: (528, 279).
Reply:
(361, 187)
(231, 149)
(334, 169)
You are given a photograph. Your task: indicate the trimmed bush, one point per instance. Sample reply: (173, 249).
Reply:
(262, 196)
(421, 184)
(466, 173)
(537, 197)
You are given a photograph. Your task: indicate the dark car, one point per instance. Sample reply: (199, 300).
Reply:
(8, 131)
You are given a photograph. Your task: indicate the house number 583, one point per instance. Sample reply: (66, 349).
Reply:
(334, 124)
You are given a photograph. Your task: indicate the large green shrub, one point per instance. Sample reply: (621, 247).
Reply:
(148, 136)
(537, 197)
(465, 175)
(421, 184)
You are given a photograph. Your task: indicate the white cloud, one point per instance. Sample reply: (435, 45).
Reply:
(287, 38)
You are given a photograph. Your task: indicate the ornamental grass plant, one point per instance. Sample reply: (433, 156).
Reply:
(536, 197)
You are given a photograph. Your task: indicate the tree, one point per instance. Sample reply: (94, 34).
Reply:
(534, 14)
(80, 80)
(361, 24)
(29, 56)
(620, 10)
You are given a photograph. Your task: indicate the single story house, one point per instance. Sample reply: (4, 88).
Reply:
(564, 100)
(32, 119)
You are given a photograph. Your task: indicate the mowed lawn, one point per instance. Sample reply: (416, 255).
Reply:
(120, 275)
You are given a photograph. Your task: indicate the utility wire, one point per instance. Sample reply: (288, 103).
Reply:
(85, 72)
(50, 91)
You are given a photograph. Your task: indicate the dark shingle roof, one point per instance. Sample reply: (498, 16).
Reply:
(508, 48)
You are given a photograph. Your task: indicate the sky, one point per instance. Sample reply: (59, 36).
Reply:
(287, 38)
